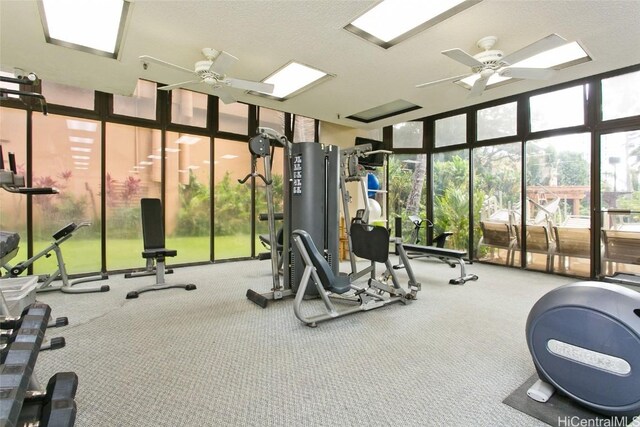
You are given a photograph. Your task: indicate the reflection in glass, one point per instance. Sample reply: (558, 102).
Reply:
(188, 108)
(407, 197)
(620, 199)
(558, 186)
(408, 135)
(133, 171)
(68, 158)
(621, 96)
(187, 203)
(68, 95)
(233, 118)
(562, 108)
(496, 201)
(13, 207)
(231, 200)
(498, 121)
(271, 119)
(304, 129)
(451, 196)
(451, 131)
(142, 104)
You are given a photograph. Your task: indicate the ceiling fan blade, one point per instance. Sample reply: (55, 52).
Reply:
(527, 73)
(547, 43)
(224, 95)
(478, 87)
(179, 85)
(448, 79)
(249, 85)
(222, 63)
(463, 57)
(150, 59)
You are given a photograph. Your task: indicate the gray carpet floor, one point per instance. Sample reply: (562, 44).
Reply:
(210, 357)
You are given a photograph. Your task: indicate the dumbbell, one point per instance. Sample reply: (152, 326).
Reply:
(59, 405)
(54, 406)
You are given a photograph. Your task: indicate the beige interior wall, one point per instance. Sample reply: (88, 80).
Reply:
(344, 137)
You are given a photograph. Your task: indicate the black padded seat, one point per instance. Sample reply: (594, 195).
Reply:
(336, 284)
(154, 246)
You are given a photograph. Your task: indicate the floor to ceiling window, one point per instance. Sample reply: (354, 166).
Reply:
(67, 156)
(187, 200)
(497, 198)
(231, 200)
(407, 183)
(451, 197)
(133, 170)
(557, 200)
(620, 201)
(13, 207)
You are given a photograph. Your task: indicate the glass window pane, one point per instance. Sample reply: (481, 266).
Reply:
(562, 108)
(620, 170)
(13, 207)
(233, 118)
(621, 96)
(188, 108)
(496, 201)
(451, 131)
(67, 156)
(10, 86)
(277, 174)
(407, 197)
(142, 104)
(620, 192)
(451, 197)
(408, 135)
(60, 94)
(231, 200)
(496, 122)
(558, 188)
(272, 119)
(304, 129)
(133, 171)
(187, 202)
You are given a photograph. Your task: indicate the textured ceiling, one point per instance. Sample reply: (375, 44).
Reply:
(265, 35)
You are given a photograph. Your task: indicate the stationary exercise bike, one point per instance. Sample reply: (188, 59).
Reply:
(60, 236)
(585, 342)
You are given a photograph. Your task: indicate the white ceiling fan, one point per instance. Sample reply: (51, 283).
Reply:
(491, 62)
(212, 72)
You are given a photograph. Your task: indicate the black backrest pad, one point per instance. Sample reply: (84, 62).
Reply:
(152, 228)
(322, 266)
(370, 242)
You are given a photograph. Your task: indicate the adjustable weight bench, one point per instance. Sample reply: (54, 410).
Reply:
(154, 247)
(453, 254)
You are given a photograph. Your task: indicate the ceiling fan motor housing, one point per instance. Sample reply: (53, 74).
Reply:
(490, 59)
(203, 66)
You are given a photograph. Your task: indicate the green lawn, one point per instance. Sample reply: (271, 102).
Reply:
(83, 255)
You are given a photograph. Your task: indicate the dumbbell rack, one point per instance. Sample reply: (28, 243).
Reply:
(22, 401)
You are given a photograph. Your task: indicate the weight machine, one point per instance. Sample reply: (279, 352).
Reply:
(260, 148)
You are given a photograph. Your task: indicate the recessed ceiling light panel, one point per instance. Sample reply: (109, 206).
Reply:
(391, 21)
(293, 79)
(93, 26)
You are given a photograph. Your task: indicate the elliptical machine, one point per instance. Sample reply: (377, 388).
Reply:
(585, 342)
